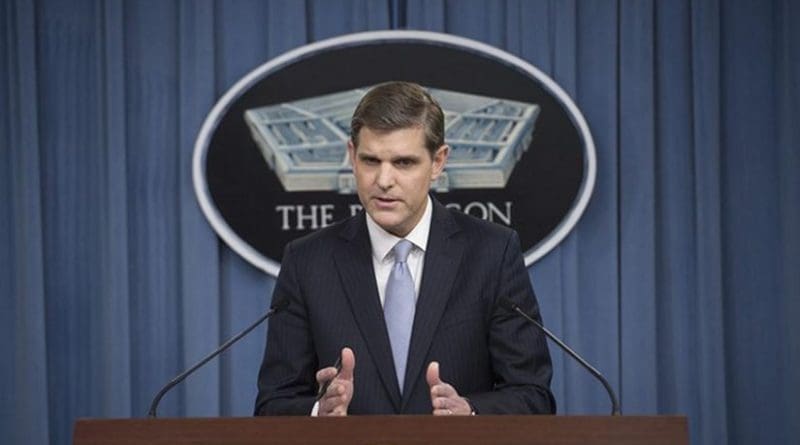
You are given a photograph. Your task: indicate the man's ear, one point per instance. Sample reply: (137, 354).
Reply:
(439, 160)
(351, 152)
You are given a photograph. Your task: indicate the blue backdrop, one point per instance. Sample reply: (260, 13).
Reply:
(681, 281)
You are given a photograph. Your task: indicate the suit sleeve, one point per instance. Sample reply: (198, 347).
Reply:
(286, 380)
(518, 350)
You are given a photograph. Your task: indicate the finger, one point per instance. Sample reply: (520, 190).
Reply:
(348, 364)
(331, 401)
(453, 403)
(334, 390)
(439, 402)
(325, 374)
(333, 404)
(441, 390)
(432, 374)
(338, 394)
(450, 409)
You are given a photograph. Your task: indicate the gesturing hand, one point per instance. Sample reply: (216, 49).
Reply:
(340, 392)
(444, 398)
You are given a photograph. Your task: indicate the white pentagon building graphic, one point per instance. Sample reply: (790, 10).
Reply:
(305, 141)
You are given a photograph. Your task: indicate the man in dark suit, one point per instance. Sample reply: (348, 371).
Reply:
(407, 287)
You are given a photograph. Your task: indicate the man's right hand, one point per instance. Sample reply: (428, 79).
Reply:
(340, 392)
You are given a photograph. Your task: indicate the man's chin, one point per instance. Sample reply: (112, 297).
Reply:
(387, 222)
(388, 225)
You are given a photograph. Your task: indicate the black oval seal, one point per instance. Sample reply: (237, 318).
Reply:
(269, 163)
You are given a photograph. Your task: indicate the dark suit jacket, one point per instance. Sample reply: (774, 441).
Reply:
(492, 357)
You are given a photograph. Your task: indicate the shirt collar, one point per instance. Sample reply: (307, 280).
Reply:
(383, 241)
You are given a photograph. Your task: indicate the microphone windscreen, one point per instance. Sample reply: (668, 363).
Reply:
(280, 304)
(508, 304)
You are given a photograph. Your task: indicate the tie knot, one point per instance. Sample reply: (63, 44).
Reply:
(401, 250)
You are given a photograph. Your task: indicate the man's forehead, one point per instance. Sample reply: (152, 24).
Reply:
(410, 138)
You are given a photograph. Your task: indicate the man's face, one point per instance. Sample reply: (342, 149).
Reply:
(393, 173)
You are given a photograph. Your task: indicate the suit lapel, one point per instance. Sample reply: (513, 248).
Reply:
(442, 259)
(354, 263)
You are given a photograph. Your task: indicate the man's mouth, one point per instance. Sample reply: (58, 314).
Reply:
(385, 201)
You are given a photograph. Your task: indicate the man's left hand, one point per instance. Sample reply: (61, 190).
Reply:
(444, 398)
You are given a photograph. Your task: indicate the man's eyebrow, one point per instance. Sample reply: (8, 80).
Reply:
(405, 158)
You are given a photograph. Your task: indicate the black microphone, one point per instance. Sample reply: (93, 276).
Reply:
(276, 307)
(514, 307)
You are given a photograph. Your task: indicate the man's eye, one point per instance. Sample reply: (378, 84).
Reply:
(404, 163)
(369, 161)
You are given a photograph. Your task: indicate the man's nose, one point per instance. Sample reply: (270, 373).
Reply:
(385, 177)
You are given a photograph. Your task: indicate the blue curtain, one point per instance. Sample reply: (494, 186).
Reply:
(681, 282)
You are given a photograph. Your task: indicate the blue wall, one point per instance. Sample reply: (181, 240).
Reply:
(680, 282)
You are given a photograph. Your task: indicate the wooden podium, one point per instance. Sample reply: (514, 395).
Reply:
(386, 430)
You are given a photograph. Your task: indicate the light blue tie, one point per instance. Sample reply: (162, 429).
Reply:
(398, 309)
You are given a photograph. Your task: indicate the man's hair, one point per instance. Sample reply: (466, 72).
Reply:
(397, 105)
